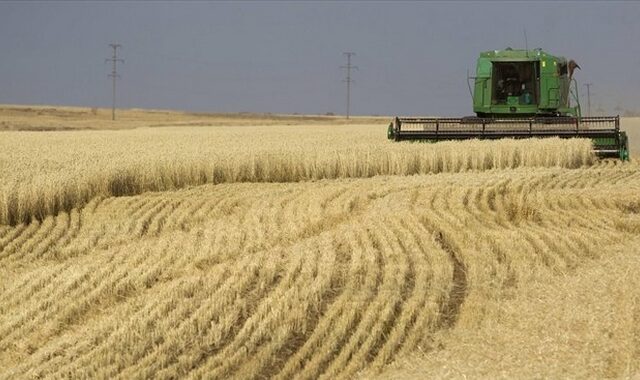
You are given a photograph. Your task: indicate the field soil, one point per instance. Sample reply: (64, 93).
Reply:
(250, 248)
(54, 118)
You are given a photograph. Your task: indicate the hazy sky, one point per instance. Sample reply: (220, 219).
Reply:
(285, 57)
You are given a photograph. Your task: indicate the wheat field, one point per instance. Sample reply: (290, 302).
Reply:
(59, 171)
(314, 251)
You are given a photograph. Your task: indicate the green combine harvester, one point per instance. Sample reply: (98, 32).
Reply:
(520, 94)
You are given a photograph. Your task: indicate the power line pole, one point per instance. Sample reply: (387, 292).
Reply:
(114, 75)
(588, 98)
(348, 67)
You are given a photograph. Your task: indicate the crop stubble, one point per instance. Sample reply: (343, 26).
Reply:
(312, 279)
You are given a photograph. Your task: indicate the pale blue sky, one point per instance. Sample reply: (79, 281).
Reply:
(285, 56)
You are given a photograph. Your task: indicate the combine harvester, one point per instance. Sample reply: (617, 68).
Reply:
(520, 94)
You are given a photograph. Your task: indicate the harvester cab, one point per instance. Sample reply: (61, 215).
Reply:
(524, 83)
(520, 94)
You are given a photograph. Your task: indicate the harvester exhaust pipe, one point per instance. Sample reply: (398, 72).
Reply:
(572, 66)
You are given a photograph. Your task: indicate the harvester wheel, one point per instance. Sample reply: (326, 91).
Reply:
(624, 154)
(390, 132)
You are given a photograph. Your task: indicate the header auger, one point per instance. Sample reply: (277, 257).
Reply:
(520, 94)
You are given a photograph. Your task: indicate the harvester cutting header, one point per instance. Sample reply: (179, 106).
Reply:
(520, 94)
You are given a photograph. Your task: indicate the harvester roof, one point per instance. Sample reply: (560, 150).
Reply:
(509, 54)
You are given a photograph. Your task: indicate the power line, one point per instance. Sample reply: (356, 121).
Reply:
(114, 75)
(588, 98)
(349, 67)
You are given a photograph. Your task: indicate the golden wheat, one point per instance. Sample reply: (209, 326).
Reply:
(312, 279)
(47, 172)
(314, 252)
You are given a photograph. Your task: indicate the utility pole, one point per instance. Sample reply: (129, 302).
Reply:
(114, 75)
(348, 67)
(588, 98)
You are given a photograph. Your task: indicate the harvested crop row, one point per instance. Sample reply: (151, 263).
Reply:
(327, 279)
